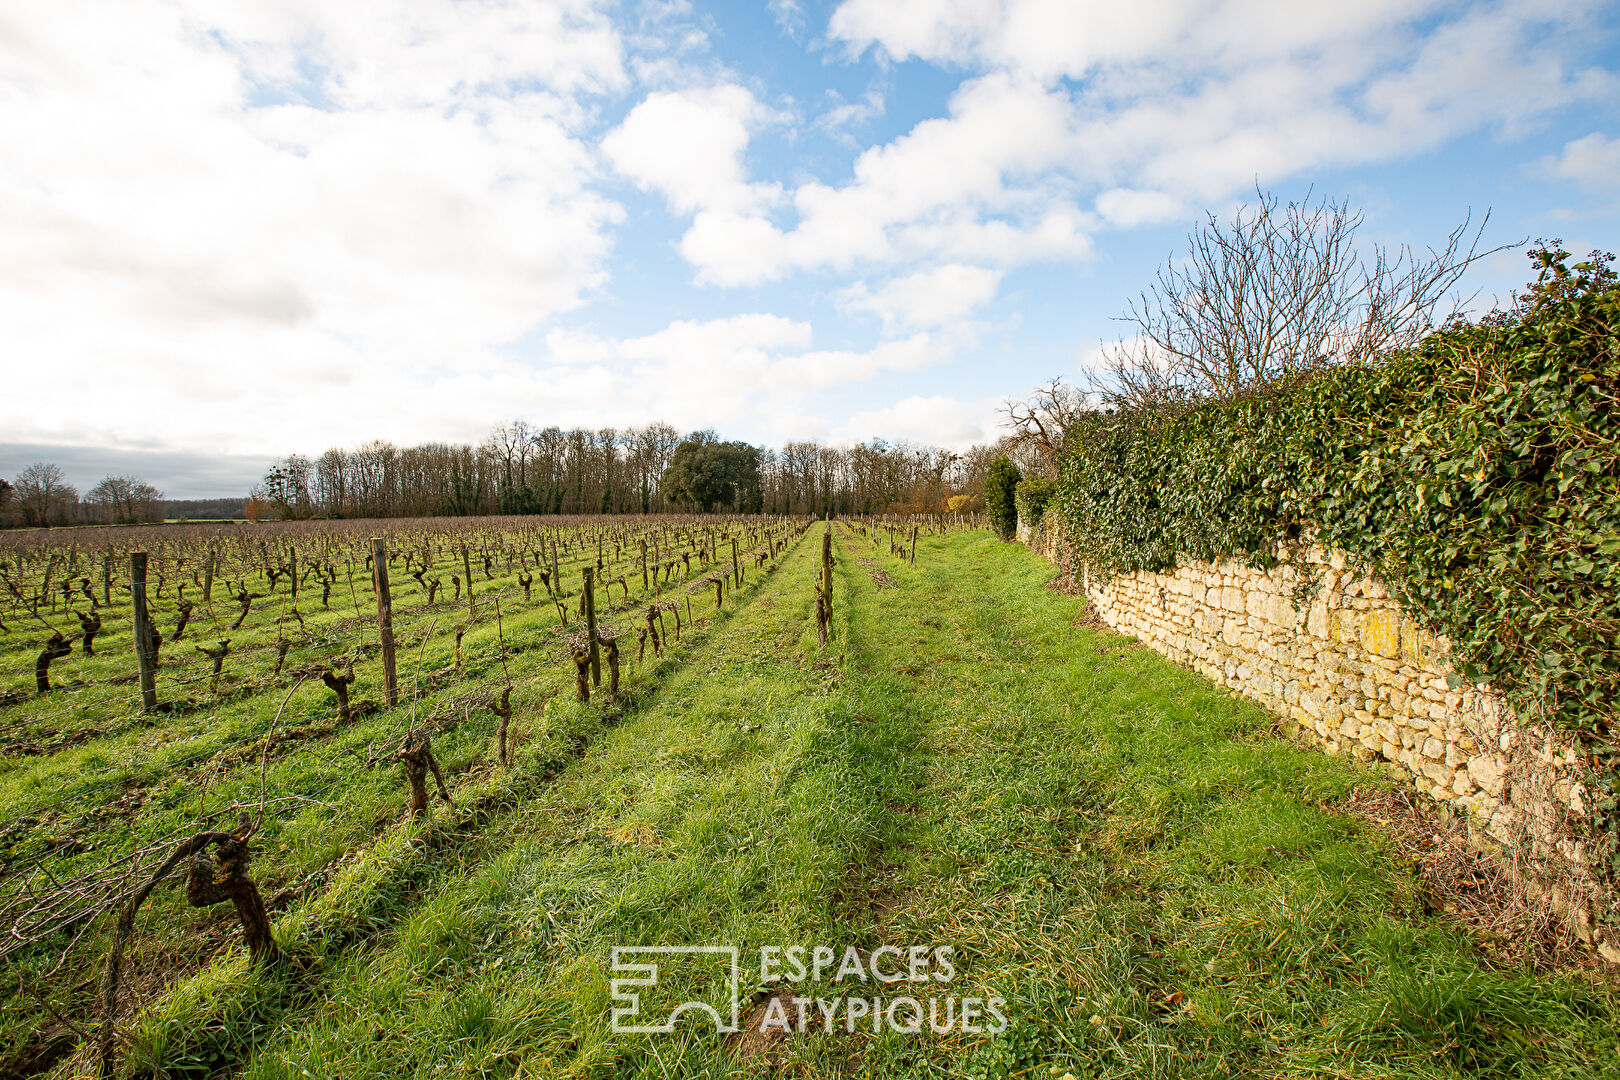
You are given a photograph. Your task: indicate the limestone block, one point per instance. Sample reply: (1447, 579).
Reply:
(1346, 625)
(1434, 748)
(1438, 773)
(1417, 644)
(1488, 772)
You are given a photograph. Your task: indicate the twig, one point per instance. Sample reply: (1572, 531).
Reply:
(264, 755)
(416, 676)
(500, 634)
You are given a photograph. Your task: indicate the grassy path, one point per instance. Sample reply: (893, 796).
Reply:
(1152, 884)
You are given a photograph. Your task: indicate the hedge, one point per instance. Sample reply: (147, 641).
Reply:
(1478, 475)
(999, 485)
(1031, 497)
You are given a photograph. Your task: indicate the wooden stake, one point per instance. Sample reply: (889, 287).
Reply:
(143, 631)
(826, 568)
(590, 627)
(385, 617)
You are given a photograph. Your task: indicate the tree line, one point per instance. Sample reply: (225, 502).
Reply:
(523, 469)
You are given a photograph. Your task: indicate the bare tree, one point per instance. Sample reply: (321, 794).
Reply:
(43, 494)
(1038, 423)
(125, 500)
(1279, 290)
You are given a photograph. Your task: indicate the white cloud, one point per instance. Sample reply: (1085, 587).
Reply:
(945, 294)
(970, 186)
(1127, 208)
(1176, 103)
(263, 205)
(400, 53)
(689, 144)
(837, 121)
(306, 394)
(1592, 161)
(701, 373)
(1073, 38)
(789, 16)
(934, 420)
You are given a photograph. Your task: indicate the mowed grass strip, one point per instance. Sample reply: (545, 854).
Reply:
(1156, 884)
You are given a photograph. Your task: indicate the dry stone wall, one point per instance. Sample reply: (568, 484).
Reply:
(1330, 651)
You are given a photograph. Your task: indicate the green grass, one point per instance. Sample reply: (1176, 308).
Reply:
(1154, 884)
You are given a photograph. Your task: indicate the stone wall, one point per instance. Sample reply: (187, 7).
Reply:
(1341, 661)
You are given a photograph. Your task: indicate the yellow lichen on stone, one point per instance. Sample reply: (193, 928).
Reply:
(1381, 633)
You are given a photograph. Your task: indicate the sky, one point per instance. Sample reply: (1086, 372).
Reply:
(231, 231)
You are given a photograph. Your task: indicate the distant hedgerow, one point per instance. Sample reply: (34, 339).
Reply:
(1000, 484)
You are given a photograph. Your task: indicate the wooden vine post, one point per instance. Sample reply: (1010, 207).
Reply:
(913, 559)
(736, 567)
(590, 626)
(385, 618)
(144, 657)
(826, 568)
(824, 590)
(466, 569)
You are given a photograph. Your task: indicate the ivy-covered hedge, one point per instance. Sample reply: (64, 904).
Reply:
(1477, 475)
(1031, 497)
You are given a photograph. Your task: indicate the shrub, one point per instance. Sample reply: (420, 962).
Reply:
(1031, 497)
(999, 485)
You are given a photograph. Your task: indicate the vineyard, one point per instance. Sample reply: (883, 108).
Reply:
(381, 799)
(279, 702)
